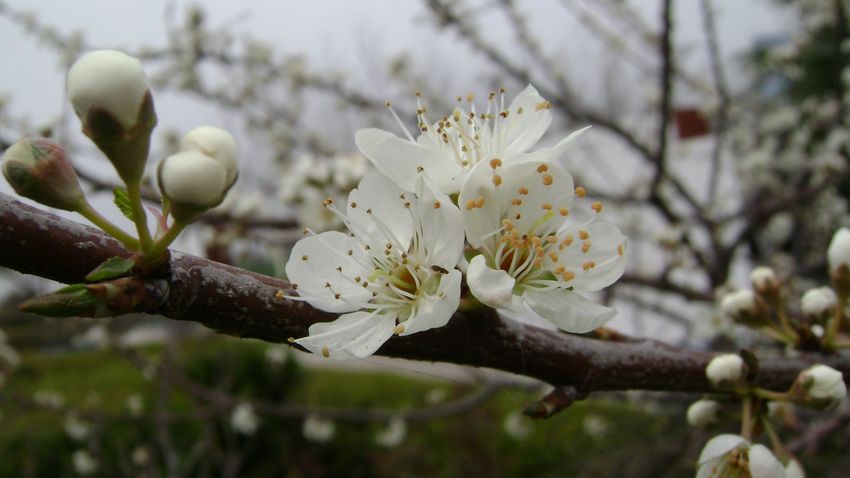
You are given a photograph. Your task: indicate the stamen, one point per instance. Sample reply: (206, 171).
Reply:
(547, 179)
(581, 192)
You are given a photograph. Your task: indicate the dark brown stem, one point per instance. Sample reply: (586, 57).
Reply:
(245, 304)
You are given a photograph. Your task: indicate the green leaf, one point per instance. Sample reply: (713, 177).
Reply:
(111, 268)
(122, 200)
(72, 301)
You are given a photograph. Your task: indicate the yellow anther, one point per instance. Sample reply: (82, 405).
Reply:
(597, 206)
(495, 163)
(470, 97)
(544, 105)
(353, 204)
(546, 206)
(516, 201)
(470, 204)
(581, 192)
(547, 179)
(305, 257)
(567, 276)
(560, 269)
(543, 168)
(620, 249)
(479, 203)
(419, 169)
(437, 204)
(554, 256)
(552, 239)
(509, 225)
(398, 329)
(564, 211)
(588, 265)
(325, 352)
(585, 247)
(538, 262)
(279, 295)
(536, 241)
(497, 180)
(583, 235)
(523, 191)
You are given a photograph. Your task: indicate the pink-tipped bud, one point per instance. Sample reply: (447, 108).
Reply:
(38, 169)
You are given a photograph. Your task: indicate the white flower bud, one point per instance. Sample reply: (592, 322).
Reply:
(393, 435)
(838, 254)
(819, 303)
(726, 369)
(703, 413)
(318, 429)
(108, 80)
(215, 143)
(243, 419)
(193, 180)
(739, 303)
(764, 280)
(823, 383)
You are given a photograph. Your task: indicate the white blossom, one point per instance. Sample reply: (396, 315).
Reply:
(538, 247)
(838, 254)
(516, 426)
(393, 435)
(108, 80)
(76, 429)
(446, 150)
(243, 419)
(823, 382)
(731, 455)
(395, 273)
(725, 369)
(318, 429)
(819, 302)
(703, 412)
(84, 463)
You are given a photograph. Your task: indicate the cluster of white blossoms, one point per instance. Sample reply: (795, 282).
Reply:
(468, 188)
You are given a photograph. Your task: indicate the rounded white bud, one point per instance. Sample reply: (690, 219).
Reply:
(725, 369)
(735, 304)
(703, 412)
(764, 279)
(192, 178)
(819, 303)
(108, 80)
(215, 143)
(794, 469)
(838, 253)
(823, 382)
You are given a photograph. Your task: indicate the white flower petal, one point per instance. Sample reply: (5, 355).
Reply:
(353, 335)
(376, 209)
(568, 310)
(401, 160)
(719, 446)
(442, 225)
(547, 155)
(436, 310)
(480, 222)
(493, 287)
(763, 464)
(313, 265)
(542, 190)
(607, 253)
(527, 120)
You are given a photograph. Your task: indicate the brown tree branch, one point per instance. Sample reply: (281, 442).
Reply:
(245, 304)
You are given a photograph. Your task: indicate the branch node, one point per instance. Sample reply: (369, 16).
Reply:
(555, 401)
